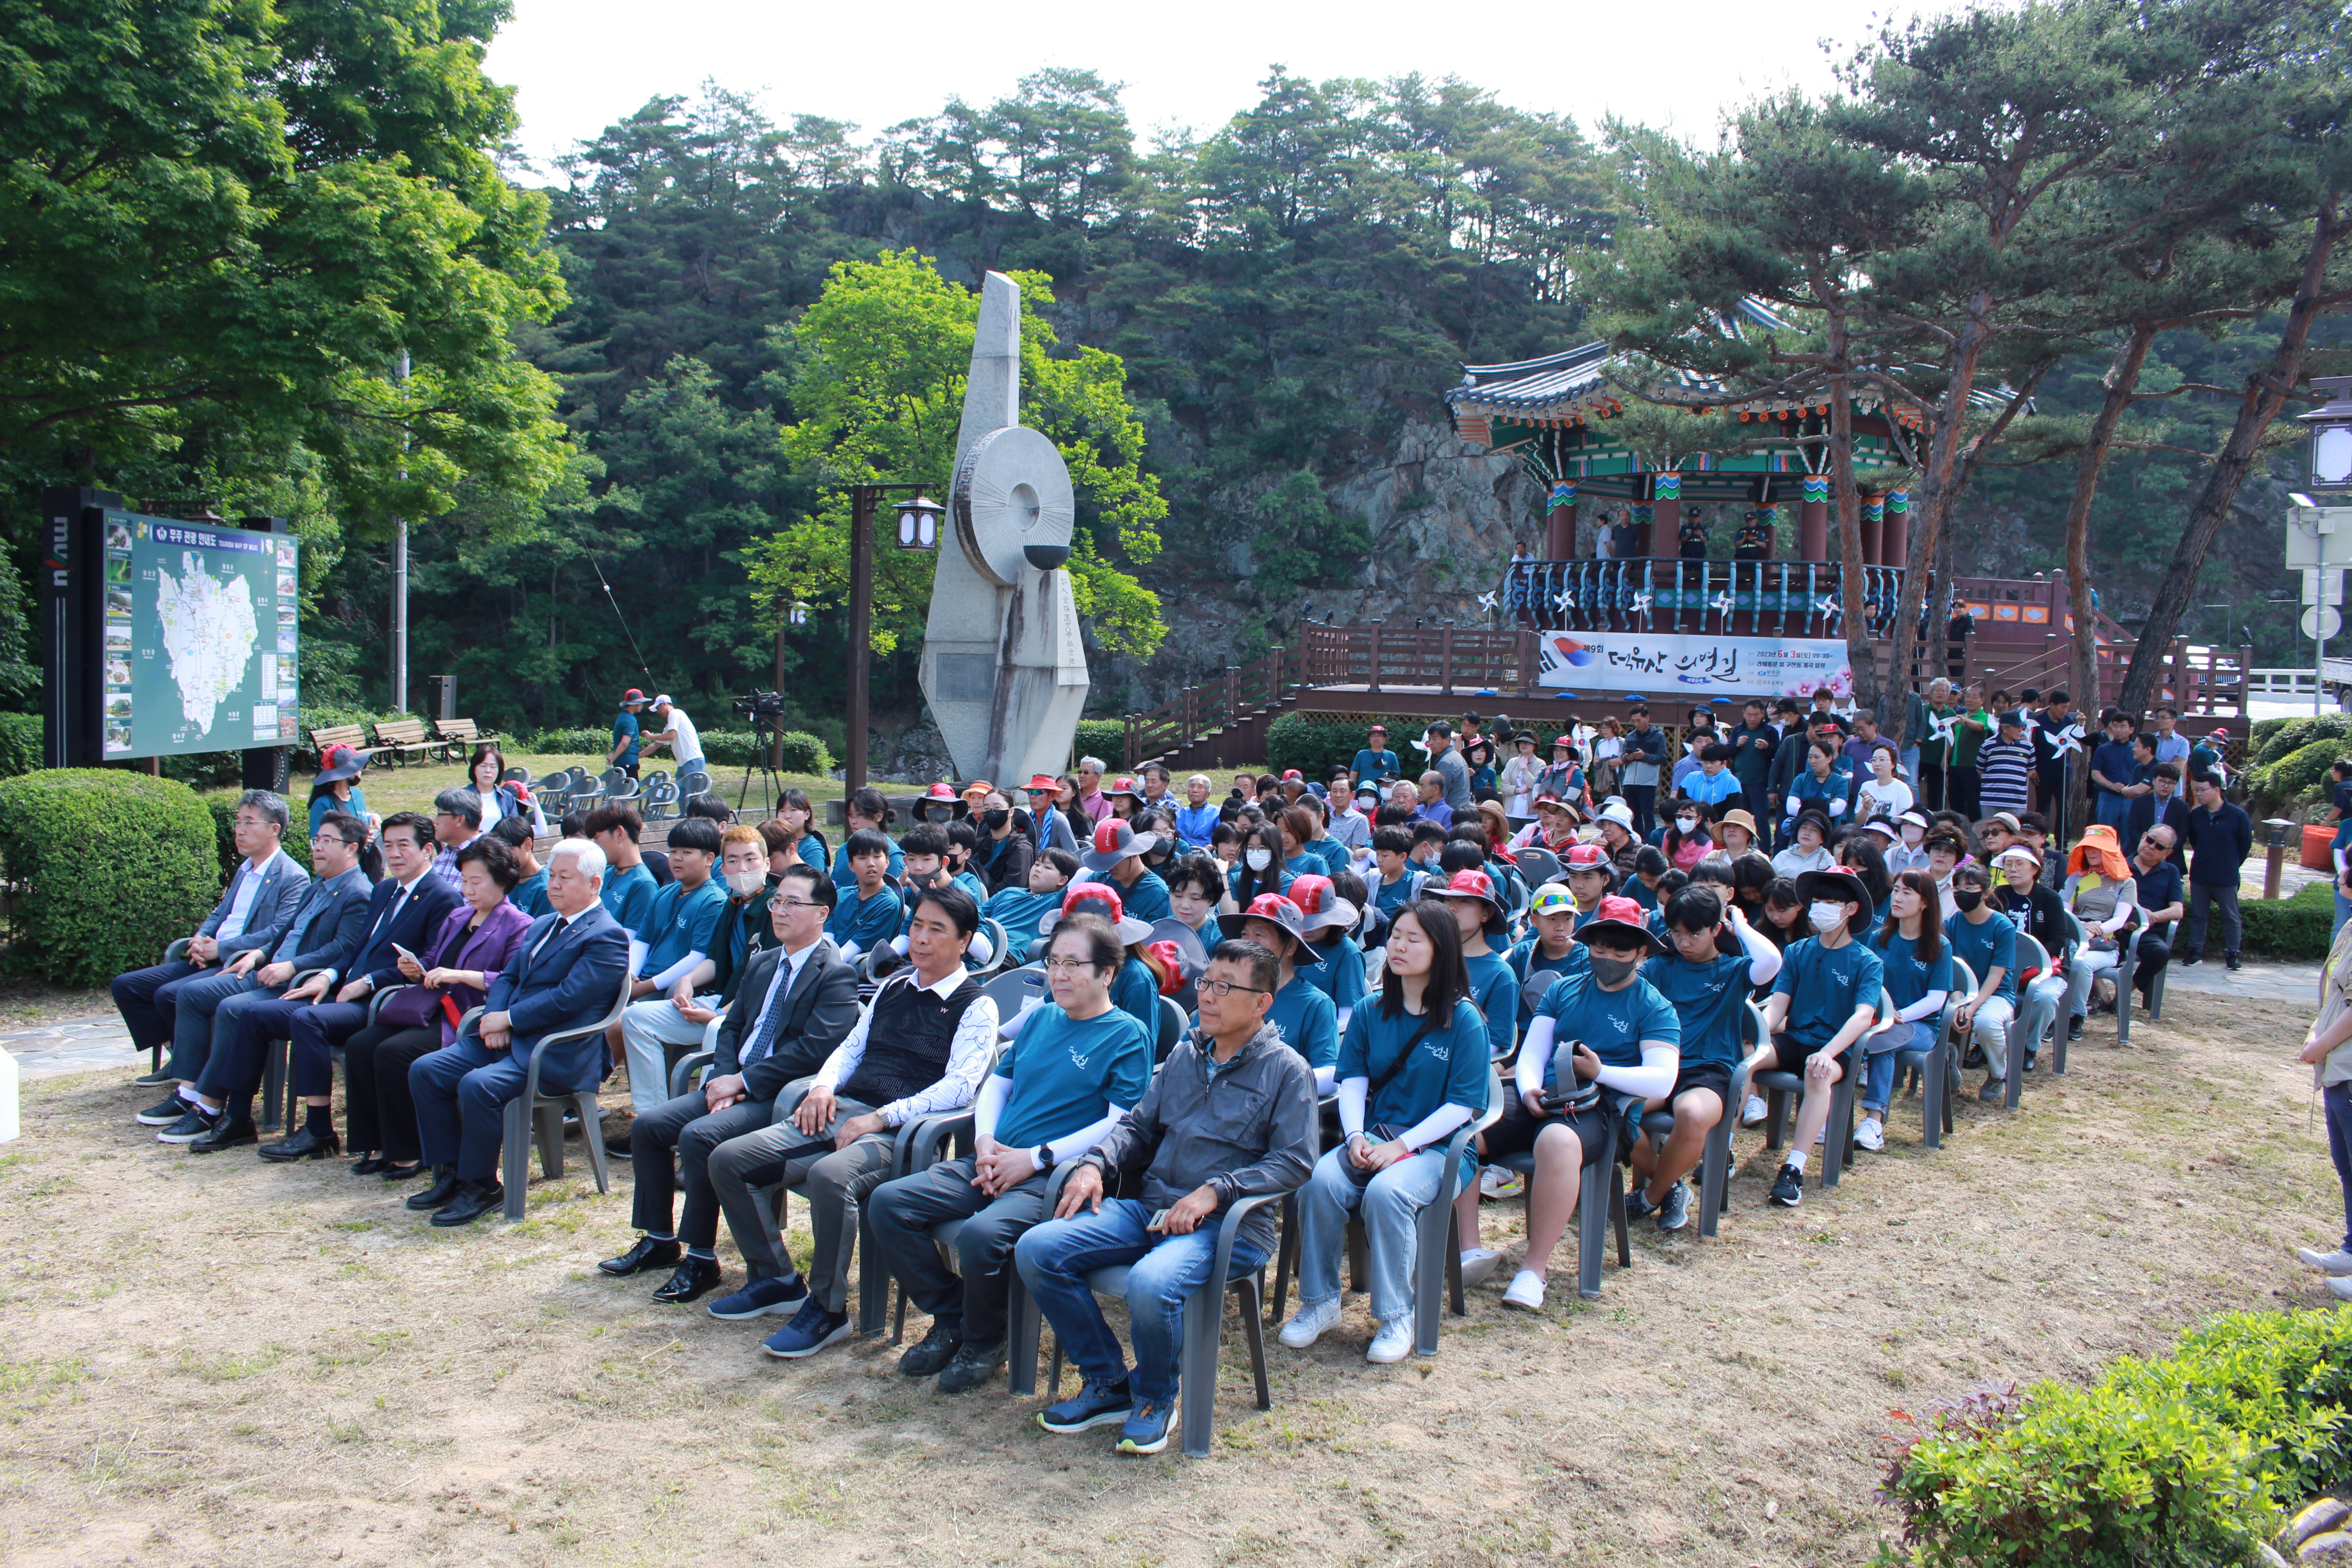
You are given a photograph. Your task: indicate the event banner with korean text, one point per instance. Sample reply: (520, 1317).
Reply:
(200, 636)
(1663, 666)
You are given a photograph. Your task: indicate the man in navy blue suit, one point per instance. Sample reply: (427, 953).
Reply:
(566, 975)
(404, 911)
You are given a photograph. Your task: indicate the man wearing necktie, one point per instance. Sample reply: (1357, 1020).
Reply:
(568, 977)
(797, 1002)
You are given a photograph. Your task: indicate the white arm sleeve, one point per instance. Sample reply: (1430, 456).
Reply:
(1070, 1145)
(1928, 1007)
(678, 971)
(994, 1090)
(1836, 804)
(1439, 1123)
(1325, 1076)
(1353, 1094)
(1763, 958)
(1535, 1055)
(1653, 1080)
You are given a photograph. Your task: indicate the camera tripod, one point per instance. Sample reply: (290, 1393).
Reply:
(765, 728)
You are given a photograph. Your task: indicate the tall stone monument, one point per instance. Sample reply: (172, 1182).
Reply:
(1004, 666)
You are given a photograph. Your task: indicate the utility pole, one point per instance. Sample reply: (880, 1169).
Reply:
(400, 582)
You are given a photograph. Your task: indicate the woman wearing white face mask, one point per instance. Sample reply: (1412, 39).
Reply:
(1261, 869)
(1824, 1000)
(1688, 841)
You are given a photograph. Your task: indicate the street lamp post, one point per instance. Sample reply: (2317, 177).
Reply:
(919, 529)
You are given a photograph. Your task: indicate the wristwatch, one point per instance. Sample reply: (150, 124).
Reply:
(1044, 1157)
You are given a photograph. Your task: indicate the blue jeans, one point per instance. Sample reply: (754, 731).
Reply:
(1055, 1257)
(1878, 1072)
(1391, 1201)
(2112, 809)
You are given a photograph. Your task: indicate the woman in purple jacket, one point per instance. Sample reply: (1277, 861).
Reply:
(448, 980)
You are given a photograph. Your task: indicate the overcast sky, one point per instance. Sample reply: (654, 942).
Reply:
(581, 64)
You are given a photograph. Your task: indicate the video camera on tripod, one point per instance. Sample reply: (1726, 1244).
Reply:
(763, 708)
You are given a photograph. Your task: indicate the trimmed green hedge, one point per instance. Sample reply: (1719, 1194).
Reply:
(803, 753)
(297, 842)
(2186, 1461)
(1104, 738)
(2292, 928)
(20, 743)
(2274, 738)
(114, 866)
(2276, 787)
(566, 743)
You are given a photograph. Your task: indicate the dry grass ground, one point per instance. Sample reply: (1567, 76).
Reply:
(390, 788)
(212, 1362)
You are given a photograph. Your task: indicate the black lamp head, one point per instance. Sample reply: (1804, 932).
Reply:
(1046, 557)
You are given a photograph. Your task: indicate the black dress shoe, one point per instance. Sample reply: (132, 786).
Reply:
(369, 1166)
(302, 1144)
(155, 1079)
(473, 1200)
(617, 1147)
(226, 1135)
(392, 1172)
(646, 1253)
(445, 1187)
(693, 1277)
(938, 1348)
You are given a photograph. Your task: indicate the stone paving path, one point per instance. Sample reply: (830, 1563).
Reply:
(76, 1045)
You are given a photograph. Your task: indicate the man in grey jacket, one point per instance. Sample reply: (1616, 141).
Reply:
(1231, 1115)
(1446, 759)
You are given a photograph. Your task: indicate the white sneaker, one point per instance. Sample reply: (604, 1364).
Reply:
(1496, 1182)
(1392, 1343)
(1478, 1264)
(1870, 1135)
(1754, 1112)
(1309, 1324)
(2338, 1262)
(1525, 1292)
(2340, 1288)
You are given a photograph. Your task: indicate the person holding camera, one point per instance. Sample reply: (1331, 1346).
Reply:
(1602, 1043)
(1412, 1069)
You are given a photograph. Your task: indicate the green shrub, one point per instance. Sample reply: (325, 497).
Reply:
(2277, 786)
(297, 842)
(2281, 1378)
(567, 743)
(1104, 738)
(1317, 743)
(2293, 929)
(2078, 1477)
(20, 743)
(803, 752)
(2275, 738)
(114, 866)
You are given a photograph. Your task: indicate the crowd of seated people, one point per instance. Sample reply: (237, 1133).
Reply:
(1353, 969)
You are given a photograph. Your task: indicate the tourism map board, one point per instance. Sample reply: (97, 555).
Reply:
(200, 636)
(1666, 666)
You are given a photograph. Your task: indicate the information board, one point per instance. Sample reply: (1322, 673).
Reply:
(200, 636)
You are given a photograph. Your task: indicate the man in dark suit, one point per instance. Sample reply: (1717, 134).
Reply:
(2163, 803)
(324, 930)
(796, 1002)
(566, 975)
(404, 911)
(260, 896)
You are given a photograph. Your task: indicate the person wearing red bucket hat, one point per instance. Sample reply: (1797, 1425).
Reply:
(1307, 1017)
(1135, 989)
(1117, 858)
(1339, 968)
(1478, 911)
(1601, 1043)
(626, 733)
(1824, 1000)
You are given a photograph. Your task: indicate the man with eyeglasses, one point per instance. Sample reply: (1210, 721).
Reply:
(1231, 1115)
(1049, 828)
(797, 1002)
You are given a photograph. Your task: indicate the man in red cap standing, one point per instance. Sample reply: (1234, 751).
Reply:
(626, 734)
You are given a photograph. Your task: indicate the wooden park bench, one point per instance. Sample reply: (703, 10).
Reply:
(325, 737)
(459, 736)
(402, 738)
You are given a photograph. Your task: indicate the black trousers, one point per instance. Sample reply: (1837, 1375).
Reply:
(977, 1297)
(378, 1111)
(687, 1125)
(2155, 953)
(1644, 801)
(1960, 785)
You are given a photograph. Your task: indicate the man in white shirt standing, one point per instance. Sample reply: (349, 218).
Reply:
(678, 733)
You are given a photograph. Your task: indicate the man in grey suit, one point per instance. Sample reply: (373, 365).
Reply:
(321, 932)
(566, 975)
(797, 1002)
(258, 902)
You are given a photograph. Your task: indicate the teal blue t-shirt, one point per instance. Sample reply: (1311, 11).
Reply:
(1306, 863)
(681, 922)
(843, 877)
(1824, 985)
(1148, 899)
(1018, 910)
(625, 728)
(1612, 1023)
(810, 850)
(1340, 976)
(628, 898)
(865, 922)
(974, 888)
(1308, 1019)
(1905, 978)
(1497, 991)
(1390, 897)
(1981, 946)
(1707, 997)
(530, 895)
(1066, 1073)
(1448, 1066)
(1136, 993)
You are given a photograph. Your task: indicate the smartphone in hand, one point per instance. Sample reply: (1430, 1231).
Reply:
(1158, 1220)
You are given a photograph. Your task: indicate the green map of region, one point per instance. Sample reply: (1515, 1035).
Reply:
(200, 636)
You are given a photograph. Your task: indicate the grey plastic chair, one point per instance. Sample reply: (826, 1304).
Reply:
(1715, 1167)
(999, 942)
(2032, 955)
(1539, 867)
(1173, 1022)
(1205, 1330)
(1012, 989)
(1938, 1069)
(1837, 1140)
(531, 1115)
(2125, 991)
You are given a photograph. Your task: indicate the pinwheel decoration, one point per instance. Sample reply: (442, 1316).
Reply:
(2069, 739)
(1723, 601)
(1641, 603)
